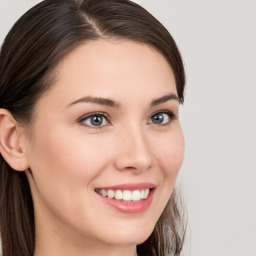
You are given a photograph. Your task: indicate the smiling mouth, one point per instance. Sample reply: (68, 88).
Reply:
(125, 195)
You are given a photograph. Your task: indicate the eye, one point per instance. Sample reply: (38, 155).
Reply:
(161, 118)
(96, 120)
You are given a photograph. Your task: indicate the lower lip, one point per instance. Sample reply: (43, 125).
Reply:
(129, 207)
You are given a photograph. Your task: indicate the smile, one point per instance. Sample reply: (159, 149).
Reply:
(128, 198)
(125, 195)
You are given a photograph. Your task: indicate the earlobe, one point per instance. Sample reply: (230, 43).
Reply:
(11, 147)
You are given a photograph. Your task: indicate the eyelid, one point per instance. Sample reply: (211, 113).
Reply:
(86, 116)
(170, 113)
(164, 111)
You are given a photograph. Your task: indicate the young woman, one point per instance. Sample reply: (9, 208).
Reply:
(90, 140)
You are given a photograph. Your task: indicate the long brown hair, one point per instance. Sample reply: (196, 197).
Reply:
(29, 54)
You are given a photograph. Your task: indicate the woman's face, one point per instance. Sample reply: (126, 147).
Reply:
(108, 127)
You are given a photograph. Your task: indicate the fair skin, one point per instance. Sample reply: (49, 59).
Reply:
(70, 156)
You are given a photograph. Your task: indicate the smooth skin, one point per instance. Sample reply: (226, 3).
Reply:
(77, 144)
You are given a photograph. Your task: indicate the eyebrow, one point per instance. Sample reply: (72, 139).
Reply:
(111, 103)
(96, 100)
(164, 99)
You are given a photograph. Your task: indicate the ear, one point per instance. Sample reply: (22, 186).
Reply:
(12, 146)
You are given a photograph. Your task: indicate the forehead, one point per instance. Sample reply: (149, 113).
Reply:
(113, 68)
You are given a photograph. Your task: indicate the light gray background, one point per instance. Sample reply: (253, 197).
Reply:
(218, 43)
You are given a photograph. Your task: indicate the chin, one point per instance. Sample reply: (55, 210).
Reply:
(136, 234)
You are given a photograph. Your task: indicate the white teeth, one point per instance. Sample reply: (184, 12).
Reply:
(119, 195)
(146, 192)
(111, 193)
(126, 195)
(136, 195)
(104, 192)
(142, 194)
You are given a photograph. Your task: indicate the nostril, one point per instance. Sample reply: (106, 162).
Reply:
(133, 161)
(130, 168)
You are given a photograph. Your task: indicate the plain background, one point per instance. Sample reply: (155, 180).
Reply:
(218, 42)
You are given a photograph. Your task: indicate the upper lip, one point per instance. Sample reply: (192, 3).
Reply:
(130, 186)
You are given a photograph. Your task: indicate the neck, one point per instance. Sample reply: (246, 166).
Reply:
(96, 251)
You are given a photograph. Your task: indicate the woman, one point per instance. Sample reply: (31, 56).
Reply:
(90, 140)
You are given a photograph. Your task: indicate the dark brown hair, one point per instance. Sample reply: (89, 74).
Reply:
(29, 54)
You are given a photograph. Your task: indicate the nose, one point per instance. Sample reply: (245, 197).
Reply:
(133, 151)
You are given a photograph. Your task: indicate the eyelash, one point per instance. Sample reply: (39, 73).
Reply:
(94, 114)
(170, 114)
(82, 120)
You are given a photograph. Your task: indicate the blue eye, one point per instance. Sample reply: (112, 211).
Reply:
(161, 118)
(95, 120)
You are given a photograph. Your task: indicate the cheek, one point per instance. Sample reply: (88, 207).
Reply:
(64, 171)
(67, 160)
(170, 153)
